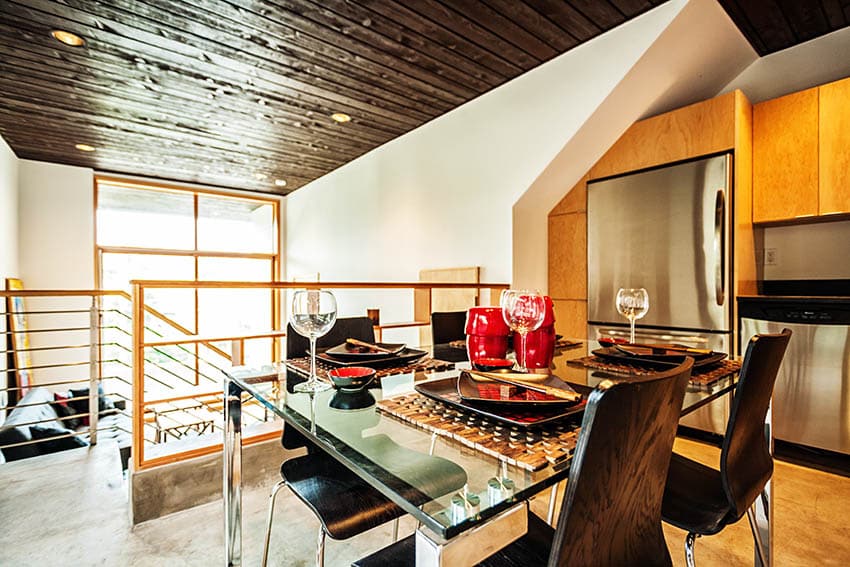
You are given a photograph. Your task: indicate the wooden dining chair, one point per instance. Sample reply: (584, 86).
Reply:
(611, 513)
(702, 500)
(344, 504)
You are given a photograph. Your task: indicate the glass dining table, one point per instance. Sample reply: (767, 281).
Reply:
(468, 498)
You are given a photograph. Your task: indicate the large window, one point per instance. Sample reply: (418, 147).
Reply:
(153, 232)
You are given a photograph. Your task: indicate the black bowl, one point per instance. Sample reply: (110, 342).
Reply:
(356, 400)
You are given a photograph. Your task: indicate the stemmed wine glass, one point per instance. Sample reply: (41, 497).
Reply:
(523, 310)
(313, 314)
(632, 303)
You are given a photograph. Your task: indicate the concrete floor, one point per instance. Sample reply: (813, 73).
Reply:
(71, 509)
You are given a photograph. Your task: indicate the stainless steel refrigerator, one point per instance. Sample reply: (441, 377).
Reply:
(666, 230)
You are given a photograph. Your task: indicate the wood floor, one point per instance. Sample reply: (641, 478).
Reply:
(76, 503)
(811, 526)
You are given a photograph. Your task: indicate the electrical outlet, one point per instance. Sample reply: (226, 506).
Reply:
(771, 257)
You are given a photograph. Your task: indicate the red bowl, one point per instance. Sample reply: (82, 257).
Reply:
(491, 364)
(609, 342)
(351, 377)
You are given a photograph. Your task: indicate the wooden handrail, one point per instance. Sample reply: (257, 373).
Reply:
(101, 293)
(61, 292)
(140, 343)
(182, 284)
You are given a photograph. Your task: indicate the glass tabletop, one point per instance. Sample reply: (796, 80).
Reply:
(448, 486)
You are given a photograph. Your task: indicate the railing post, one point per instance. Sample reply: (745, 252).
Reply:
(237, 352)
(232, 474)
(94, 375)
(138, 375)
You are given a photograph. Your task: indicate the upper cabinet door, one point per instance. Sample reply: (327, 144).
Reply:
(835, 147)
(785, 157)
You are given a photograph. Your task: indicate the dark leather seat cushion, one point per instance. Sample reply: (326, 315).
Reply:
(345, 504)
(530, 550)
(693, 497)
(400, 554)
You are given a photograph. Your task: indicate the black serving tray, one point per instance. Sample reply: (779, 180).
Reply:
(445, 391)
(403, 358)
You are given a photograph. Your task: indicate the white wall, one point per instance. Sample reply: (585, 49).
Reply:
(56, 226)
(442, 195)
(56, 250)
(803, 66)
(8, 244)
(8, 212)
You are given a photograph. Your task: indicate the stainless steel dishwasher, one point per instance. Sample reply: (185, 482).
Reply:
(811, 400)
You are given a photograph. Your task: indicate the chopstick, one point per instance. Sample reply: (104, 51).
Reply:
(370, 346)
(676, 348)
(549, 390)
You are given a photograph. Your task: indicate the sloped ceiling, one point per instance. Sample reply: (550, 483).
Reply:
(240, 94)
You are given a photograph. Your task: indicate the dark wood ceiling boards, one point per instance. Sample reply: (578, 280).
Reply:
(238, 93)
(774, 25)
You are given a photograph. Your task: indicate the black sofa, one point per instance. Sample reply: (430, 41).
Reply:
(42, 405)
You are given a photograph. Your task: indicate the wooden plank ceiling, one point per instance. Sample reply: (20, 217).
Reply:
(774, 25)
(239, 93)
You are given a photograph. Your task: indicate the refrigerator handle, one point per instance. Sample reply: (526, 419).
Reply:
(720, 246)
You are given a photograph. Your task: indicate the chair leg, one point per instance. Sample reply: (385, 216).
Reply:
(320, 548)
(757, 543)
(395, 530)
(272, 498)
(689, 548)
(553, 497)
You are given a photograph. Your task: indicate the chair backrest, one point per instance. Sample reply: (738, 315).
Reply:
(344, 328)
(611, 513)
(745, 460)
(298, 346)
(447, 326)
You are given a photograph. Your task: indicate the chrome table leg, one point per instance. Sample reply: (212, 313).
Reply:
(553, 497)
(232, 457)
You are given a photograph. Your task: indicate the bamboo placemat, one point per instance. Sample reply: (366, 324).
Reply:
(701, 377)
(532, 449)
(424, 364)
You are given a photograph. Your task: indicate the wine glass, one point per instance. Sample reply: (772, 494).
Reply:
(632, 303)
(313, 314)
(523, 310)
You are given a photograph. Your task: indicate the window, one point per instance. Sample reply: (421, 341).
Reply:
(147, 231)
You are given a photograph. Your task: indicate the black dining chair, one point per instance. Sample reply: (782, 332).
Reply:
(344, 328)
(344, 504)
(611, 513)
(448, 326)
(702, 500)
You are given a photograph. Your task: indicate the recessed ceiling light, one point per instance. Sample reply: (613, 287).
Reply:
(280, 182)
(341, 117)
(68, 38)
(260, 176)
(85, 147)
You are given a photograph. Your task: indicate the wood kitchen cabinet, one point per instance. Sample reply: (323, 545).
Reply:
(834, 138)
(801, 154)
(785, 157)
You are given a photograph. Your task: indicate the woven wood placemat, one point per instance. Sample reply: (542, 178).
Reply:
(532, 449)
(701, 377)
(424, 364)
